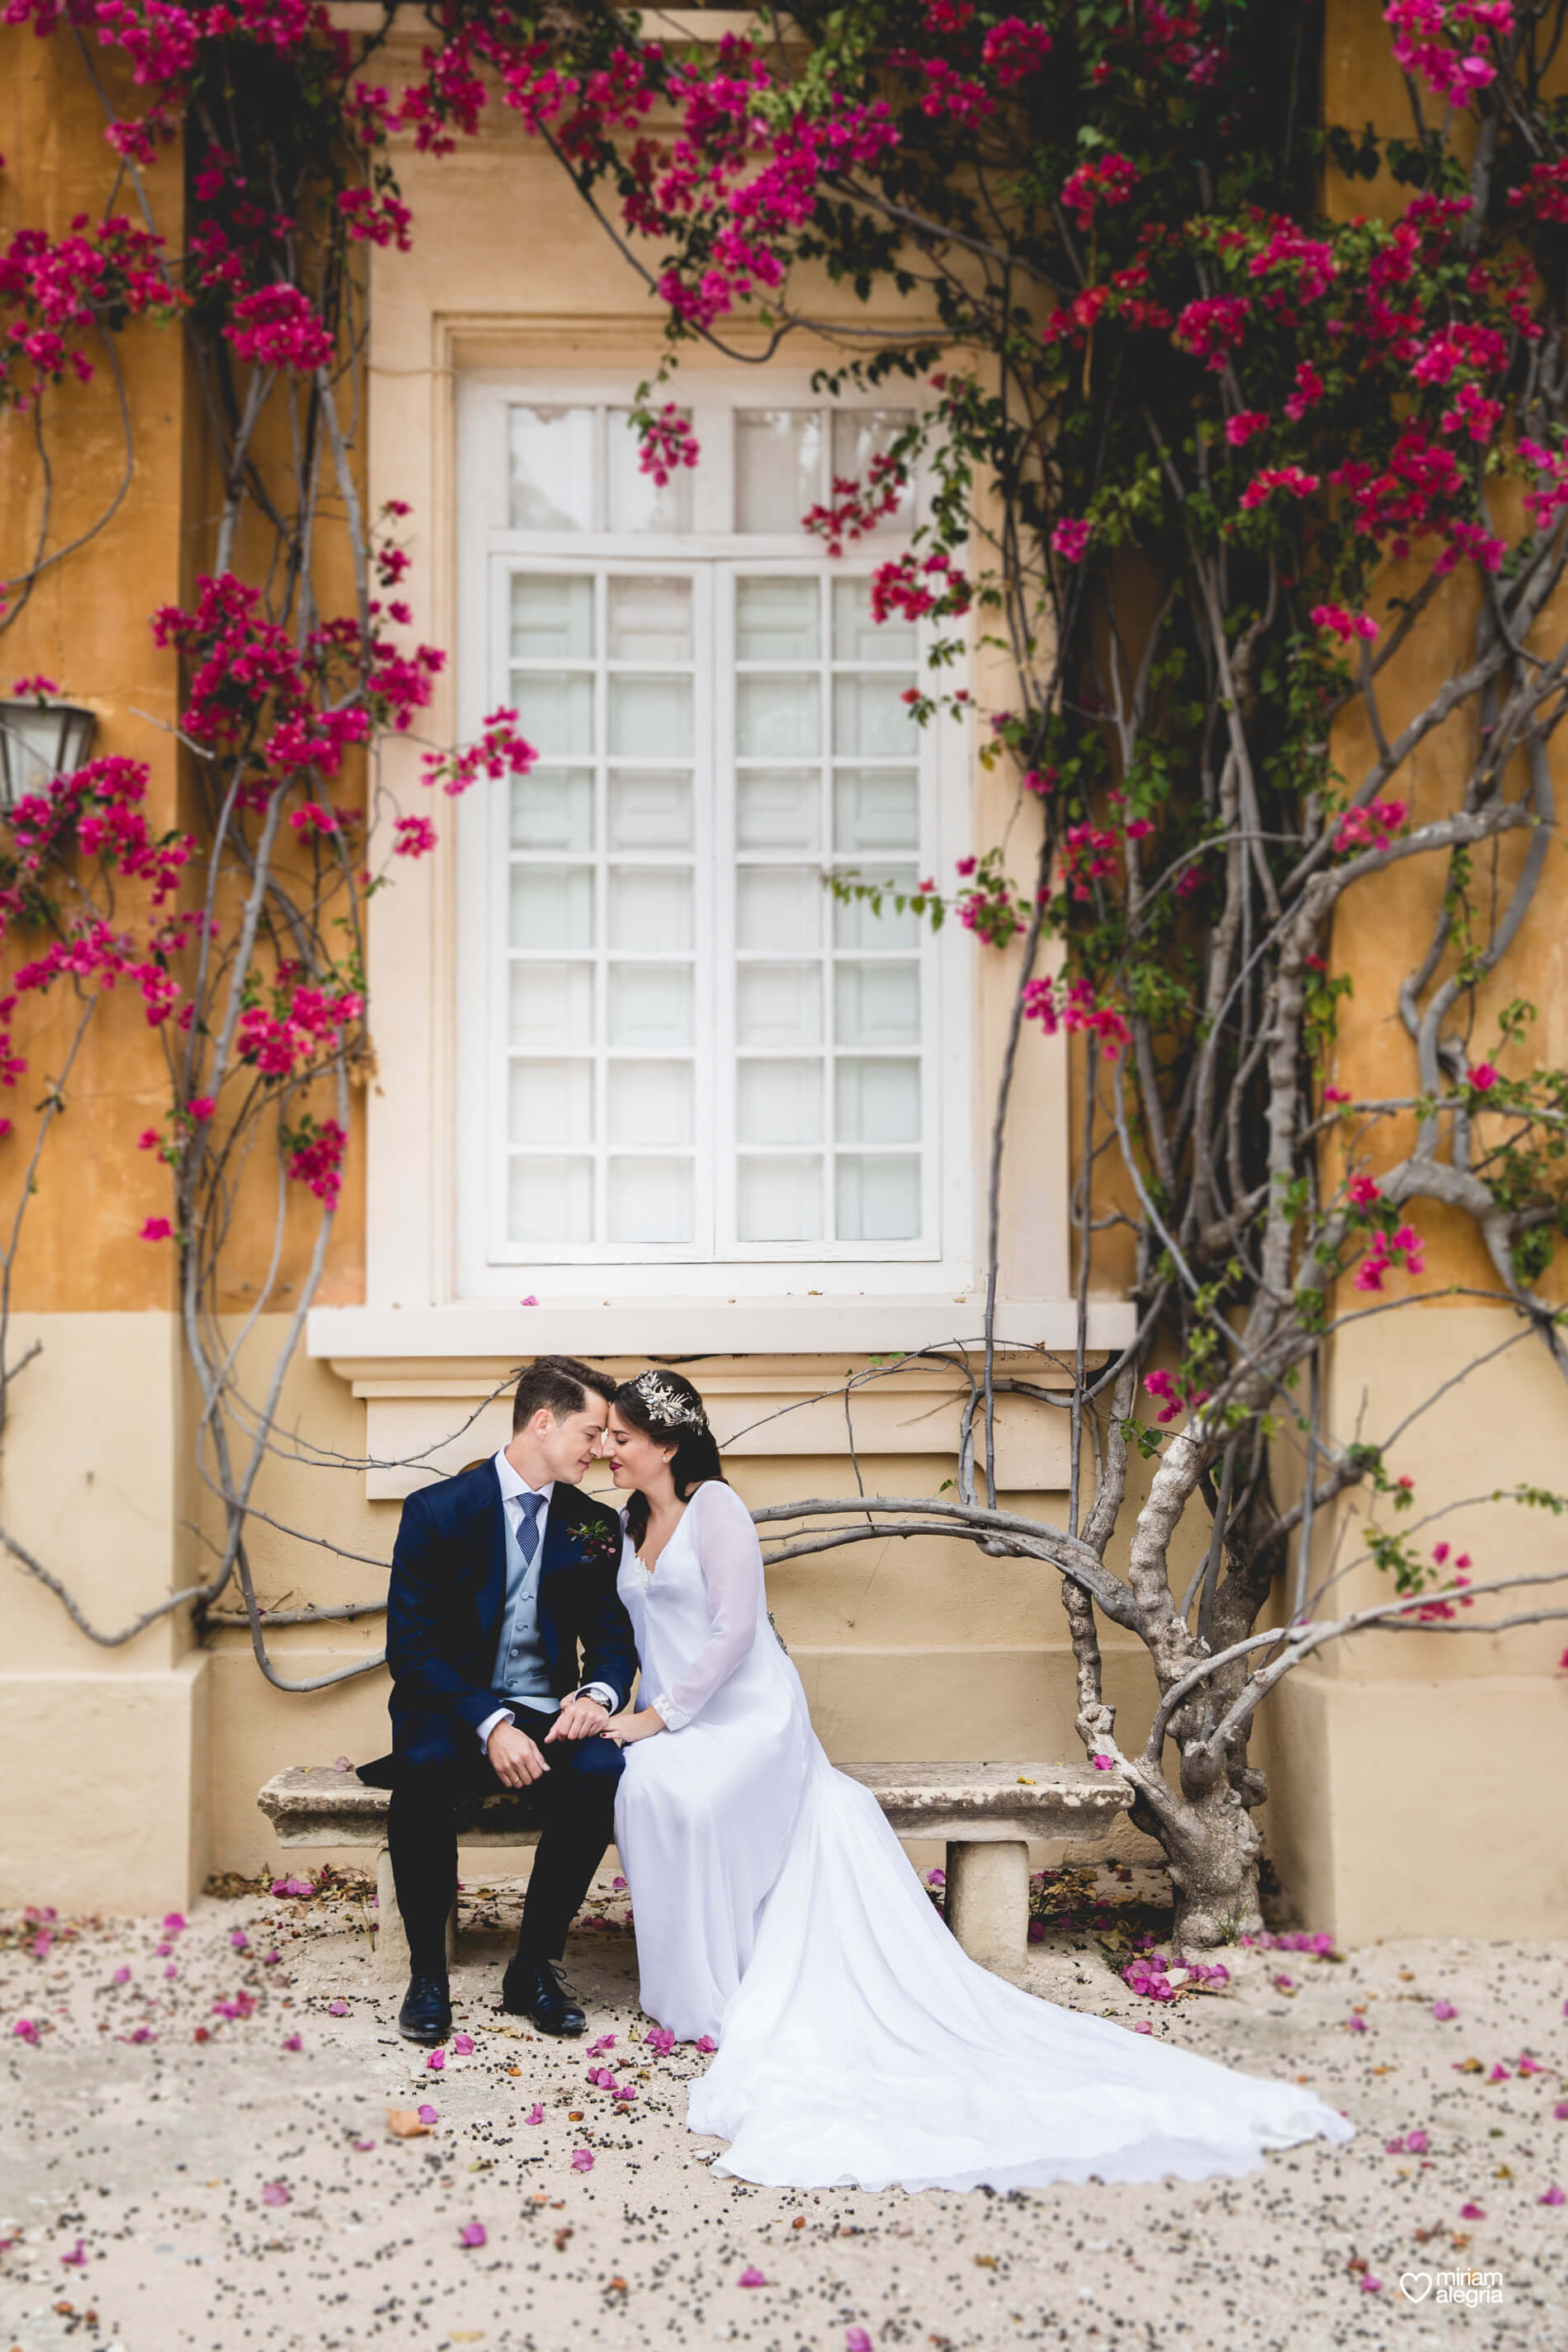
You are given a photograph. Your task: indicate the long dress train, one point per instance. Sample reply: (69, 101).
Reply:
(775, 1910)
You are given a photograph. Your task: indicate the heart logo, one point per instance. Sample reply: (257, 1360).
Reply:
(1416, 2284)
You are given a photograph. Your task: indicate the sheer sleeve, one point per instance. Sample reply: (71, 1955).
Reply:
(730, 1558)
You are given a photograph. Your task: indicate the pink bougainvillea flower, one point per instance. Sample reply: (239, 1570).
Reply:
(1370, 2285)
(1471, 2213)
(292, 1886)
(1560, 2111)
(660, 2041)
(707, 2043)
(337, 2008)
(25, 2031)
(435, 2061)
(1417, 2143)
(171, 1970)
(77, 2258)
(462, 2044)
(202, 1108)
(122, 1976)
(1483, 1077)
(1103, 1763)
(240, 1940)
(596, 2049)
(752, 2276)
(156, 1229)
(530, 1301)
(1443, 2010)
(1071, 538)
(173, 1922)
(276, 2192)
(293, 2041)
(1355, 2025)
(429, 2115)
(473, 2233)
(535, 2114)
(855, 2340)
(581, 2159)
(1143, 2026)
(1553, 2196)
(363, 2146)
(1500, 2075)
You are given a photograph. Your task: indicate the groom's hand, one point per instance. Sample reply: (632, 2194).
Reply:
(580, 1718)
(514, 1759)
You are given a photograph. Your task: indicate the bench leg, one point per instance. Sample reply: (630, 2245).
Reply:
(391, 1942)
(988, 1902)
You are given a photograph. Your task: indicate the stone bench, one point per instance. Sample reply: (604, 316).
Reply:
(986, 1814)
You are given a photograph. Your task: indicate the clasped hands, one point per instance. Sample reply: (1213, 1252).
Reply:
(518, 1761)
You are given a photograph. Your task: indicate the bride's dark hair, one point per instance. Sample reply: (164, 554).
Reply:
(665, 1406)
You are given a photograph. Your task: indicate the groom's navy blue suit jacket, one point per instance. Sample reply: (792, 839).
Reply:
(445, 1603)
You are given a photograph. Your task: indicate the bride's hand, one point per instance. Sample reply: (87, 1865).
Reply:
(640, 1725)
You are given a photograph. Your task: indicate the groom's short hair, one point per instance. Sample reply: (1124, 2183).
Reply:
(558, 1385)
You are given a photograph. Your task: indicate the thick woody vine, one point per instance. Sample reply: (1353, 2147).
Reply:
(1201, 449)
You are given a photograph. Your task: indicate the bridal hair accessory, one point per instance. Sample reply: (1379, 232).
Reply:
(667, 1404)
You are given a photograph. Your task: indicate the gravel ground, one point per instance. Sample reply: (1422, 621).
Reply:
(198, 2159)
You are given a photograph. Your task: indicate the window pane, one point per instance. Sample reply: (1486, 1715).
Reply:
(779, 1102)
(651, 1102)
(636, 502)
(778, 907)
(857, 638)
(650, 1201)
(651, 717)
(780, 1199)
(778, 717)
(552, 453)
(855, 925)
(556, 714)
(553, 1000)
(877, 1003)
(874, 810)
(551, 1102)
(551, 616)
(879, 1199)
(776, 620)
(871, 717)
(650, 1005)
(879, 1102)
(778, 808)
(778, 467)
(861, 433)
(649, 812)
(550, 1200)
(779, 1003)
(650, 906)
(552, 808)
(650, 619)
(552, 906)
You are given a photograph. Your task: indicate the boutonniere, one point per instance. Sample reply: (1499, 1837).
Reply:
(597, 1545)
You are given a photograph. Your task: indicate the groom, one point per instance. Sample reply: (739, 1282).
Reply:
(499, 1577)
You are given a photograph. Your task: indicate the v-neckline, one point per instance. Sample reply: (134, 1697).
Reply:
(664, 1547)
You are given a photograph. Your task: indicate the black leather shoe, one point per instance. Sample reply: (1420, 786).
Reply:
(534, 1989)
(427, 2011)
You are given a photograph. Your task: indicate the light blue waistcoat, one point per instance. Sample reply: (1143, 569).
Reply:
(520, 1670)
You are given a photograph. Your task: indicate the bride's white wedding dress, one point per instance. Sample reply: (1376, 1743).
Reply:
(777, 1911)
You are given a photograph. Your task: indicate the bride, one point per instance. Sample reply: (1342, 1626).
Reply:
(777, 1912)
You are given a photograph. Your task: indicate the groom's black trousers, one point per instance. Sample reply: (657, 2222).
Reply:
(574, 1803)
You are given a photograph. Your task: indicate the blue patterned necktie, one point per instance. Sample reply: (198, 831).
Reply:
(528, 1527)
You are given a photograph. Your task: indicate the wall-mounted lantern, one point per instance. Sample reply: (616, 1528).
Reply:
(40, 739)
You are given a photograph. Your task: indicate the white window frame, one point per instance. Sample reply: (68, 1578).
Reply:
(488, 1263)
